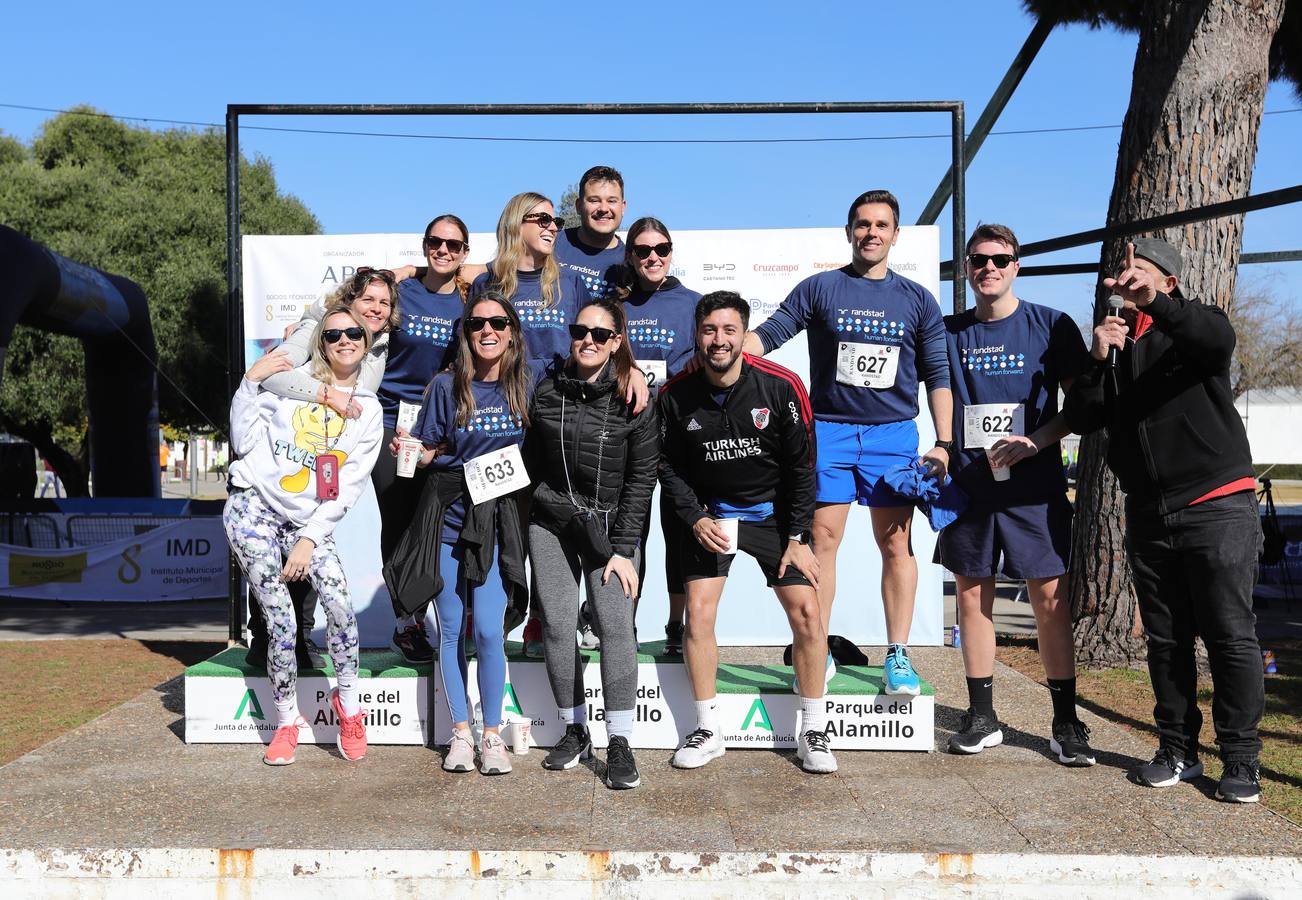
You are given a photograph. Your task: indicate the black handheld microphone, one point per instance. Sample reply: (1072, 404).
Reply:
(1115, 305)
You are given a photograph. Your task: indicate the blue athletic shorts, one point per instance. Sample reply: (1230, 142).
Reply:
(853, 458)
(1034, 539)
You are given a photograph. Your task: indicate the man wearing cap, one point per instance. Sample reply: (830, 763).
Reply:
(1179, 451)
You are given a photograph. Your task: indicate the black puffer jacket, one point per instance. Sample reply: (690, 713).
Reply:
(629, 460)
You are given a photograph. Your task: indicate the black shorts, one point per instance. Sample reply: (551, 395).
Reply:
(757, 539)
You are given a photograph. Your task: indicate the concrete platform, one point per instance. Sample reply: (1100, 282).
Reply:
(121, 802)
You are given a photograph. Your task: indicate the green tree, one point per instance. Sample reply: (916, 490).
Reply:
(150, 206)
(1189, 139)
(568, 206)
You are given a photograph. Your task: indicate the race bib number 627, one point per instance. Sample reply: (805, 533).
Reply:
(495, 473)
(867, 365)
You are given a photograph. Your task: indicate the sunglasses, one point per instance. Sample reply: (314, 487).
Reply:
(475, 324)
(368, 273)
(454, 245)
(332, 335)
(1001, 260)
(642, 251)
(545, 220)
(599, 335)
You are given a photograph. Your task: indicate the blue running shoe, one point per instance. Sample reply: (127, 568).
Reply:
(828, 675)
(900, 677)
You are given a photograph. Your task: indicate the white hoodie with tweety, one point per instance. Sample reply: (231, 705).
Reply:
(278, 441)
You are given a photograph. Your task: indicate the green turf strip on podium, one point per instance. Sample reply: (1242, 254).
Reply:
(232, 663)
(736, 678)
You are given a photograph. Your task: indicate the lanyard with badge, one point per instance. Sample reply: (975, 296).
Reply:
(327, 464)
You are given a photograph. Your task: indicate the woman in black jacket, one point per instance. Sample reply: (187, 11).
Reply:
(594, 463)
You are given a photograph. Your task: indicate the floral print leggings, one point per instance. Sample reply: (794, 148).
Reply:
(261, 538)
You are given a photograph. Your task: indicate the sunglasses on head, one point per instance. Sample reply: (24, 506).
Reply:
(475, 324)
(368, 273)
(545, 220)
(1001, 260)
(332, 335)
(454, 245)
(642, 251)
(599, 335)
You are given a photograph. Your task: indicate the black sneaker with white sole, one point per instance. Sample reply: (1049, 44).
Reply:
(1071, 744)
(412, 643)
(674, 639)
(621, 767)
(1168, 768)
(976, 732)
(575, 745)
(1240, 782)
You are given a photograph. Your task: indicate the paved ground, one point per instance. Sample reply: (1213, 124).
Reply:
(127, 780)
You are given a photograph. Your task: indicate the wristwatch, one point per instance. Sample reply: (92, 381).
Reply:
(800, 537)
(948, 446)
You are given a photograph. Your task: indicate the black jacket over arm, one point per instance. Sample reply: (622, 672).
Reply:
(628, 460)
(1174, 434)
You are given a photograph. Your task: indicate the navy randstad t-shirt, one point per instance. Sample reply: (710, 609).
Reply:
(600, 270)
(546, 328)
(490, 427)
(662, 326)
(418, 347)
(1020, 359)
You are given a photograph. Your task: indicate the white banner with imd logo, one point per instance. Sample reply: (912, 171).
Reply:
(283, 275)
(184, 560)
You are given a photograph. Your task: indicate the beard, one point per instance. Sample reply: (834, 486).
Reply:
(725, 364)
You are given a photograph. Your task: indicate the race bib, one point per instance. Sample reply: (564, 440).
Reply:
(655, 370)
(867, 365)
(985, 424)
(407, 415)
(493, 474)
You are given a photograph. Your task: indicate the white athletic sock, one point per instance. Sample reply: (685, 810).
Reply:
(813, 715)
(619, 723)
(286, 712)
(707, 716)
(348, 694)
(576, 716)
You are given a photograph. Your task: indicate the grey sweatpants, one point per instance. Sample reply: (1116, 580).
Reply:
(556, 565)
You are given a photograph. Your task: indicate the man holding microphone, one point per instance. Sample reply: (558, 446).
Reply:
(1160, 385)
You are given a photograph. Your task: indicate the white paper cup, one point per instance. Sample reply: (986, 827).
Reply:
(408, 453)
(729, 527)
(520, 730)
(1001, 473)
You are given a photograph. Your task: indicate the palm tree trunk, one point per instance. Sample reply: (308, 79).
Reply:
(1189, 139)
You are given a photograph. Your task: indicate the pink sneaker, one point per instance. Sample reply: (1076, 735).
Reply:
(352, 729)
(280, 752)
(493, 759)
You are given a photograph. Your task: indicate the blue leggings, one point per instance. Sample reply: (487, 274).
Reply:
(488, 601)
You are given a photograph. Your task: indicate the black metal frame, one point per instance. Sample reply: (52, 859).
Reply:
(234, 300)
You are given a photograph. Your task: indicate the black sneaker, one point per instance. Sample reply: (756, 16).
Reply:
(976, 732)
(674, 639)
(412, 644)
(1071, 741)
(309, 655)
(257, 655)
(574, 746)
(621, 768)
(1240, 782)
(1168, 768)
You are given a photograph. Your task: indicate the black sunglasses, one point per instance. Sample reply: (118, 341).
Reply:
(544, 220)
(642, 251)
(332, 335)
(1001, 260)
(475, 324)
(368, 273)
(599, 335)
(454, 245)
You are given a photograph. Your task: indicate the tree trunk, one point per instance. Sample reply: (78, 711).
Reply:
(1189, 139)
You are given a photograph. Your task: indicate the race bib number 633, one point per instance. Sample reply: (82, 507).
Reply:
(495, 473)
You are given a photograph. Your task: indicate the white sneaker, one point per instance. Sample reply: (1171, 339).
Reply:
(814, 751)
(461, 752)
(588, 639)
(700, 747)
(493, 758)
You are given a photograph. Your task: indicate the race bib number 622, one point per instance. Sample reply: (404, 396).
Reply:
(985, 424)
(495, 473)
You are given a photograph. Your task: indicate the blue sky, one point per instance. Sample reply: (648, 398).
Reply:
(187, 61)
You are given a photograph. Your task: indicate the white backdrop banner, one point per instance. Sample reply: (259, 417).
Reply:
(283, 275)
(180, 561)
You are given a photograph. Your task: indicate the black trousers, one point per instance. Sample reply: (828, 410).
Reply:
(397, 499)
(304, 600)
(1194, 571)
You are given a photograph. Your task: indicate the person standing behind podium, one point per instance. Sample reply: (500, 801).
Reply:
(592, 250)
(594, 462)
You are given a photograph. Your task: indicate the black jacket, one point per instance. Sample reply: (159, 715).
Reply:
(628, 461)
(757, 448)
(1173, 431)
(412, 572)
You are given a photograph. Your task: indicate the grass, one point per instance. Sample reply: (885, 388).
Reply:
(59, 685)
(1125, 696)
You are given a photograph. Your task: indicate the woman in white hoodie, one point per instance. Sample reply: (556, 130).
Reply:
(301, 467)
